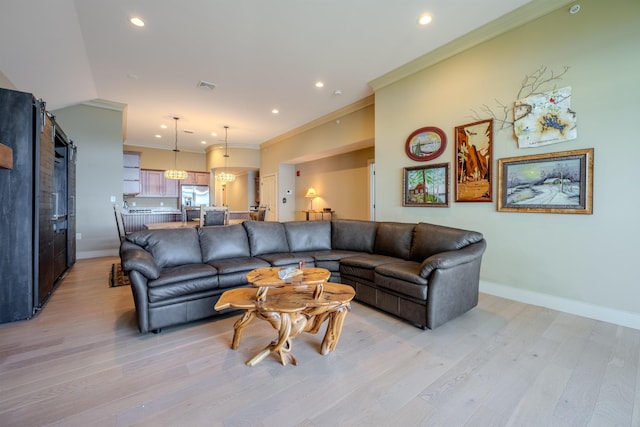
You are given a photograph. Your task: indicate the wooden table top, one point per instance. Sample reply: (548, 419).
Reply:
(179, 224)
(268, 276)
(286, 299)
(174, 224)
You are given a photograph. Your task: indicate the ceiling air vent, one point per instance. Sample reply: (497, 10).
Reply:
(206, 85)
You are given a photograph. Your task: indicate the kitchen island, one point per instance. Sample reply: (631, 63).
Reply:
(135, 219)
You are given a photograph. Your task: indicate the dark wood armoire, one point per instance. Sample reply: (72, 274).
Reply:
(37, 205)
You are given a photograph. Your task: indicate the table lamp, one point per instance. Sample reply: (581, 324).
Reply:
(311, 193)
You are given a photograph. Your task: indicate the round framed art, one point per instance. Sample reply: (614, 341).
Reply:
(425, 144)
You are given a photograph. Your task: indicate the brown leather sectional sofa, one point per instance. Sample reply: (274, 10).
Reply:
(424, 273)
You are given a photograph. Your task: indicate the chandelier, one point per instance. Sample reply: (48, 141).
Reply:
(226, 176)
(175, 173)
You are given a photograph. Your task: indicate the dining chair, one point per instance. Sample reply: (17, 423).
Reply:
(119, 223)
(262, 213)
(214, 215)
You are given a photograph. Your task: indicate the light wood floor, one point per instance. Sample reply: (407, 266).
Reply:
(82, 362)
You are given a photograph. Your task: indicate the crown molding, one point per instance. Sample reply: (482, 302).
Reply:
(351, 108)
(108, 105)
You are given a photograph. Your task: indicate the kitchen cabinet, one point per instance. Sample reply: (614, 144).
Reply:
(39, 209)
(170, 187)
(131, 172)
(154, 184)
(196, 178)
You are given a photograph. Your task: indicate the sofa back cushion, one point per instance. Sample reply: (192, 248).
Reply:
(170, 247)
(266, 237)
(230, 241)
(306, 236)
(394, 239)
(431, 239)
(353, 235)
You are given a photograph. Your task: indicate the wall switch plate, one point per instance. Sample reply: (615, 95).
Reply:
(113, 199)
(78, 236)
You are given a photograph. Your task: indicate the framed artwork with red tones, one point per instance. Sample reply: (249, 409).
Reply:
(473, 159)
(425, 144)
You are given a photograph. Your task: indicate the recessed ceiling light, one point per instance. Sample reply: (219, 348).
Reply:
(319, 84)
(424, 19)
(337, 92)
(138, 22)
(275, 111)
(163, 126)
(574, 9)
(158, 136)
(214, 134)
(203, 142)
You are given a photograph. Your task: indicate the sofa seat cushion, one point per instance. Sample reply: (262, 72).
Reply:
(402, 278)
(235, 265)
(180, 273)
(329, 260)
(224, 242)
(282, 259)
(363, 265)
(232, 272)
(183, 280)
(331, 255)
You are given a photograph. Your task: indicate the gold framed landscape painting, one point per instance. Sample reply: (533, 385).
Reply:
(426, 186)
(473, 158)
(559, 182)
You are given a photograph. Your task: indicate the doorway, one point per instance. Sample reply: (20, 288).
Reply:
(372, 190)
(268, 196)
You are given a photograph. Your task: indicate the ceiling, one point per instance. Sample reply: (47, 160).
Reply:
(260, 55)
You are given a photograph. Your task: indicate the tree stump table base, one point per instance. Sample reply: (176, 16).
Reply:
(291, 310)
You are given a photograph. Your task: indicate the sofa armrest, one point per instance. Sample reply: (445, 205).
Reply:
(140, 260)
(451, 259)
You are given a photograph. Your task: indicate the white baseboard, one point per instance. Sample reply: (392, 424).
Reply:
(592, 311)
(97, 254)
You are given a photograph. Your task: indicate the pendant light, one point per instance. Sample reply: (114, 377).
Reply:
(175, 173)
(225, 177)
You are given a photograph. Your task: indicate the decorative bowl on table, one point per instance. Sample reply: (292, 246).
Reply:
(288, 273)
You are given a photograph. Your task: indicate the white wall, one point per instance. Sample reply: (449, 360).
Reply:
(342, 184)
(583, 261)
(98, 134)
(5, 83)
(343, 131)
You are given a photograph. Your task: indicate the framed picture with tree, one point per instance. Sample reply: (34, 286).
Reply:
(426, 185)
(473, 158)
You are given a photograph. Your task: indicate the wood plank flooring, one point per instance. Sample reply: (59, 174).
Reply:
(82, 362)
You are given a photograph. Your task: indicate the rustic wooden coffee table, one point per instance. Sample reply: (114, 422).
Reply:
(291, 308)
(267, 277)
